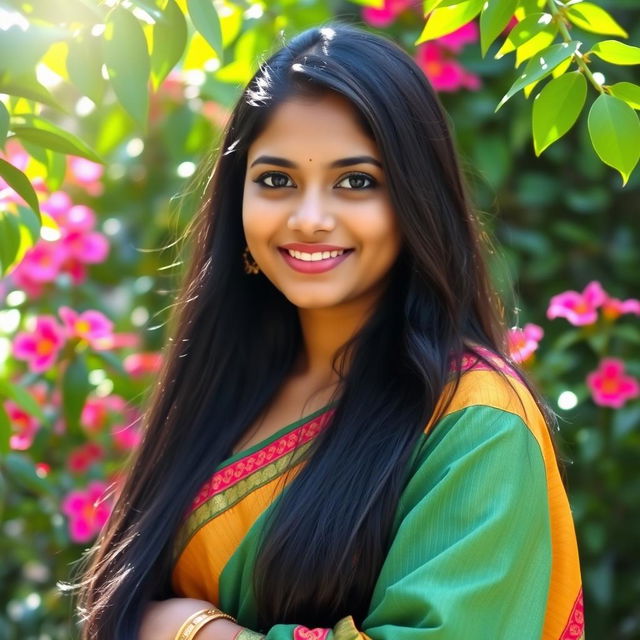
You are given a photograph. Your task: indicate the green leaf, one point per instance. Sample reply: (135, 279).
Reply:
(541, 65)
(20, 50)
(524, 32)
(75, 389)
(20, 184)
(46, 134)
(429, 5)
(150, 7)
(616, 52)
(127, 61)
(22, 398)
(494, 18)
(169, 40)
(539, 42)
(205, 19)
(614, 128)
(626, 91)
(444, 20)
(116, 126)
(4, 123)
(376, 4)
(556, 108)
(30, 224)
(57, 170)
(27, 86)
(84, 66)
(23, 473)
(5, 431)
(595, 19)
(9, 239)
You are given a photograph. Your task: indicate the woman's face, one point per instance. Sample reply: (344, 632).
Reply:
(316, 209)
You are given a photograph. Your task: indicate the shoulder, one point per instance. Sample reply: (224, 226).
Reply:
(491, 397)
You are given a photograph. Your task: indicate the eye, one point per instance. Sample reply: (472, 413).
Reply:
(357, 181)
(274, 180)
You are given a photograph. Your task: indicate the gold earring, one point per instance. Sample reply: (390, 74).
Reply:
(250, 265)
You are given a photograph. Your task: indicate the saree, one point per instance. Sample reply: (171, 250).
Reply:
(483, 544)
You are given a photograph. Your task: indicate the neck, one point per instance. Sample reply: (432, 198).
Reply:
(324, 332)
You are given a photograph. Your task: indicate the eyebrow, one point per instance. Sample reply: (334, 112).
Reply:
(342, 162)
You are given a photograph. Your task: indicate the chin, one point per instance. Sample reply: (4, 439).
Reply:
(313, 301)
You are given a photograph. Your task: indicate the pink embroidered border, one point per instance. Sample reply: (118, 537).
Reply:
(470, 361)
(303, 633)
(575, 627)
(237, 471)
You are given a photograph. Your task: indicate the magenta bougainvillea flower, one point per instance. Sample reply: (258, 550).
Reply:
(385, 15)
(610, 386)
(88, 326)
(458, 39)
(41, 346)
(41, 263)
(86, 174)
(578, 308)
(23, 425)
(444, 72)
(612, 308)
(87, 511)
(96, 411)
(523, 342)
(78, 245)
(139, 364)
(82, 458)
(126, 437)
(437, 58)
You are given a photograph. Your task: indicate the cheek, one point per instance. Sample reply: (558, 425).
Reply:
(378, 231)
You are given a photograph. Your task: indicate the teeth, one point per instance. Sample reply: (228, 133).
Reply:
(313, 257)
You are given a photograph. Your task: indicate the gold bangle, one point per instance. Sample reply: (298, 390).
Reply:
(197, 620)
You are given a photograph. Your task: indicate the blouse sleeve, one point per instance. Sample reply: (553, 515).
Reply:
(471, 548)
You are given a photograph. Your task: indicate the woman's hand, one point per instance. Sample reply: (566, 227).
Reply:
(162, 618)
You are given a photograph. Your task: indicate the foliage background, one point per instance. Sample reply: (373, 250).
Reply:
(561, 221)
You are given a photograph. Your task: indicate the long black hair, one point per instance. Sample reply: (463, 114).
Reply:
(234, 338)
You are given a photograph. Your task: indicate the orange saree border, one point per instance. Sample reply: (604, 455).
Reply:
(483, 386)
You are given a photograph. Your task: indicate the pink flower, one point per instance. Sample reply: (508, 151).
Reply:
(609, 385)
(444, 72)
(384, 16)
(523, 342)
(456, 40)
(95, 412)
(88, 325)
(87, 511)
(126, 437)
(613, 307)
(41, 263)
(85, 173)
(41, 346)
(117, 341)
(57, 205)
(88, 248)
(578, 308)
(139, 364)
(24, 425)
(83, 457)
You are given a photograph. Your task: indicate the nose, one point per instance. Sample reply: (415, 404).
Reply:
(310, 215)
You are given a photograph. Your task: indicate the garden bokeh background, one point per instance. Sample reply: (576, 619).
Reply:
(83, 312)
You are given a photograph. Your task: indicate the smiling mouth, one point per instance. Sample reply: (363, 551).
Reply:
(316, 256)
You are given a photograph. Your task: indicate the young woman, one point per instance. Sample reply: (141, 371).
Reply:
(338, 446)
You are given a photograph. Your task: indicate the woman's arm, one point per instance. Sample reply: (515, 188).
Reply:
(163, 618)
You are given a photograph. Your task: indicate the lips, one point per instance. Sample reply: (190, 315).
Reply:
(311, 265)
(312, 247)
